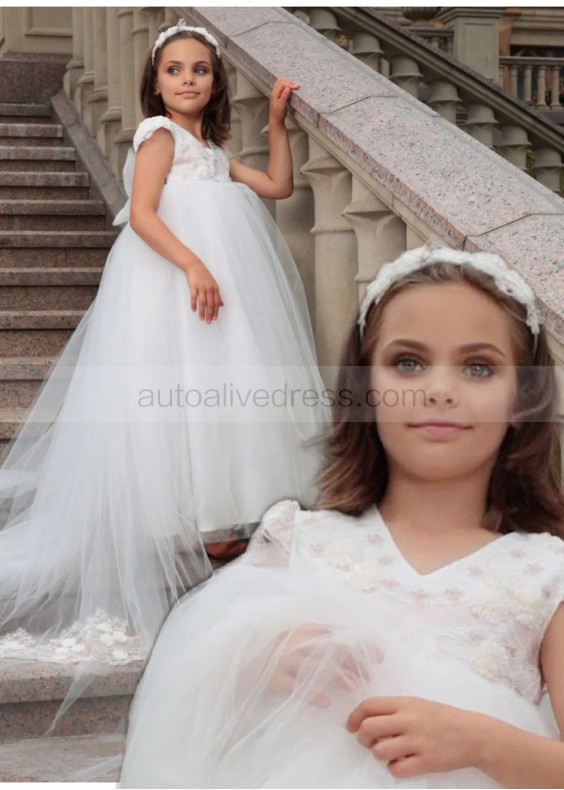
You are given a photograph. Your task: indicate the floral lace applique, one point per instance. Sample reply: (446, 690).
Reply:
(101, 638)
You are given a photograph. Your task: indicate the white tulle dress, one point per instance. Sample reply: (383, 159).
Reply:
(157, 431)
(212, 710)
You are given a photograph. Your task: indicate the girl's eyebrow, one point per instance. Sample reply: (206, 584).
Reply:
(179, 63)
(467, 348)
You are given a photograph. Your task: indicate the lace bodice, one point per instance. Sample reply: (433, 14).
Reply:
(489, 609)
(192, 160)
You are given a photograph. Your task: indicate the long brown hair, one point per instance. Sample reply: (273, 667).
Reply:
(217, 113)
(524, 491)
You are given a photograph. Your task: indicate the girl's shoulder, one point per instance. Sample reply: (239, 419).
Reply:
(149, 126)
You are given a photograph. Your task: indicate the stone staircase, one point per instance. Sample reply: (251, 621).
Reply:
(54, 239)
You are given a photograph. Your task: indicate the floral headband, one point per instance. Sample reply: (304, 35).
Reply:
(180, 27)
(506, 279)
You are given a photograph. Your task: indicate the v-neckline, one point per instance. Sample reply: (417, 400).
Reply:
(193, 136)
(472, 555)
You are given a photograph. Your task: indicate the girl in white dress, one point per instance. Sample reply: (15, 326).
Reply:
(402, 633)
(158, 430)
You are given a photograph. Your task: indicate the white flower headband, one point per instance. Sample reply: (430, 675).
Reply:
(506, 279)
(180, 27)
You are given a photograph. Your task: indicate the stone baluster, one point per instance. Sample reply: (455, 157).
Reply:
(513, 79)
(75, 66)
(155, 17)
(513, 145)
(110, 121)
(235, 142)
(124, 137)
(555, 88)
(294, 216)
(548, 166)
(299, 13)
(253, 109)
(170, 18)
(481, 123)
(405, 74)
(97, 102)
(416, 238)
(444, 99)
(541, 86)
(557, 353)
(366, 48)
(380, 234)
(528, 83)
(336, 293)
(140, 33)
(325, 22)
(85, 83)
(501, 78)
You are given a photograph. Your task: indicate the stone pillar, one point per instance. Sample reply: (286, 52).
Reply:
(295, 217)
(253, 109)
(155, 18)
(140, 34)
(380, 234)
(476, 37)
(336, 293)
(405, 74)
(235, 143)
(325, 22)
(444, 99)
(75, 66)
(548, 166)
(128, 92)
(85, 83)
(110, 121)
(366, 48)
(513, 145)
(97, 102)
(481, 123)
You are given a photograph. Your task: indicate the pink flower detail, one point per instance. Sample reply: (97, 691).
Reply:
(385, 559)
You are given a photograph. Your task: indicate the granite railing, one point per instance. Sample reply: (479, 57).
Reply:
(376, 171)
(539, 81)
(488, 113)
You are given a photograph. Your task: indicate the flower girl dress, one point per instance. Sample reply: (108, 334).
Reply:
(156, 431)
(211, 709)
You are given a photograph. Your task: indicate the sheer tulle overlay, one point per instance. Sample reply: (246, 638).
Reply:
(254, 674)
(134, 454)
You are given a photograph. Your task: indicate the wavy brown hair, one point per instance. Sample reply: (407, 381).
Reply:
(524, 492)
(217, 114)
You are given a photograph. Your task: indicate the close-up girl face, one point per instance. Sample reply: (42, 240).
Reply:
(444, 377)
(184, 77)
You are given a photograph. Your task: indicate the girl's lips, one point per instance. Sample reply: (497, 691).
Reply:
(439, 428)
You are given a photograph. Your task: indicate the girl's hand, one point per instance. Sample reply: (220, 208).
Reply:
(204, 291)
(416, 736)
(281, 93)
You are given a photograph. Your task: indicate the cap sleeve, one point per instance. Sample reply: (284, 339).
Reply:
(148, 127)
(272, 541)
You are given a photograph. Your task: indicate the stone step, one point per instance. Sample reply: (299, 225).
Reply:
(37, 158)
(31, 693)
(47, 257)
(43, 185)
(20, 380)
(36, 332)
(51, 215)
(19, 132)
(48, 289)
(41, 759)
(37, 165)
(24, 111)
(74, 239)
(40, 319)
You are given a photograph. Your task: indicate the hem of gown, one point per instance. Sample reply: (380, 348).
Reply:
(234, 532)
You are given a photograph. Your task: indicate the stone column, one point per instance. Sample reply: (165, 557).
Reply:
(85, 83)
(97, 102)
(405, 74)
(294, 216)
(336, 293)
(366, 48)
(124, 137)
(253, 109)
(75, 66)
(548, 166)
(140, 34)
(110, 121)
(380, 234)
(481, 123)
(325, 22)
(476, 37)
(235, 143)
(513, 145)
(444, 99)
(155, 18)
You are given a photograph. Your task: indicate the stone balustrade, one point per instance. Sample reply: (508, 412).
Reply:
(376, 171)
(539, 81)
(488, 113)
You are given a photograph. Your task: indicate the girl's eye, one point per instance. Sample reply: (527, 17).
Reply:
(173, 69)
(201, 70)
(479, 370)
(408, 365)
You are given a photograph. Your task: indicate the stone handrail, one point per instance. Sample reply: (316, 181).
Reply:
(544, 71)
(492, 115)
(376, 171)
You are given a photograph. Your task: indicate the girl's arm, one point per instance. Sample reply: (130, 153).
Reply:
(278, 181)
(152, 163)
(417, 736)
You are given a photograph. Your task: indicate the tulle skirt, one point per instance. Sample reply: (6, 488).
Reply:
(214, 708)
(156, 432)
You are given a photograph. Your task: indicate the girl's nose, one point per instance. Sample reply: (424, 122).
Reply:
(441, 389)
